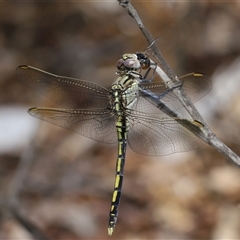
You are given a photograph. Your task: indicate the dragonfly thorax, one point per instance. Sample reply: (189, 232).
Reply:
(124, 92)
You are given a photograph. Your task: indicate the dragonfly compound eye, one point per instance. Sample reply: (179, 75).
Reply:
(120, 65)
(132, 64)
(128, 62)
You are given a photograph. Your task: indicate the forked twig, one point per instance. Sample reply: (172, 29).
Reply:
(198, 125)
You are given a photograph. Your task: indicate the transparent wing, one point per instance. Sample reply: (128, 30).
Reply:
(97, 124)
(195, 85)
(153, 135)
(67, 92)
(147, 105)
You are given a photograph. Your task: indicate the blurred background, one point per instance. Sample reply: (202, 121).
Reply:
(61, 183)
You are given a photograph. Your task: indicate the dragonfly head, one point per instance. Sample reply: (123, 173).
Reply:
(133, 62)
(128, 62)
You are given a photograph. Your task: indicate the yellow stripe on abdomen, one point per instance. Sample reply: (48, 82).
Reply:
(122, 144)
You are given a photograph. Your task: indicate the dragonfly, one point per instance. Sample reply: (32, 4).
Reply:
(122, 114)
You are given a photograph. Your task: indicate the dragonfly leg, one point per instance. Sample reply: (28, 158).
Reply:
(144, 78)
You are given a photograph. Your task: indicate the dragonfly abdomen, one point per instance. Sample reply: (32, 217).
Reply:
(122, 131)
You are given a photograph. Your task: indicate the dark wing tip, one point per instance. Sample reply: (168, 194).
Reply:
(32, 111)
(21, 68)
(198, 74)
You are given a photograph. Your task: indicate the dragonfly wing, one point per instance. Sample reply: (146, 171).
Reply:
(153, 135)
(147, 105)
(195, 85)
(68, 92)
(97, 124)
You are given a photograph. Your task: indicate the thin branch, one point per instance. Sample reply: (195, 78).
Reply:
(21, 173)
(169, 77)
(25, 223)
(28, 225)
(12, 204)
(198, 125)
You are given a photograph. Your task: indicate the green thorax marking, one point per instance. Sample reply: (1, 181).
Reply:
(124, 93)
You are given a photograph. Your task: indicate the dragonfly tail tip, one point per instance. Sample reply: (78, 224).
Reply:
(110, 231)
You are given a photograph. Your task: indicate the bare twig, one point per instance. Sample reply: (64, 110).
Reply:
(28, 225)
(21, 173)
(198, 125)
(12, 204)
(167, 74)
(25, 223)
